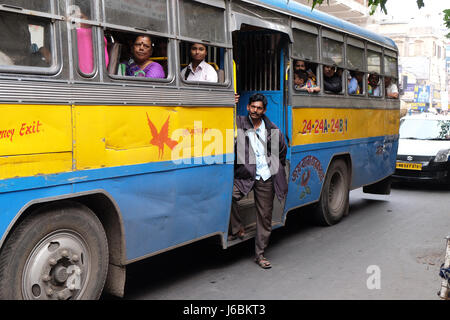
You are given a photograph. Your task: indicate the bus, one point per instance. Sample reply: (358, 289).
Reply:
(100, 168)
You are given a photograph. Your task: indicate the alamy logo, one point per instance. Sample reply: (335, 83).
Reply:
(374, 280)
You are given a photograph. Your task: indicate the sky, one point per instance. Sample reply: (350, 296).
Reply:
(408, 8)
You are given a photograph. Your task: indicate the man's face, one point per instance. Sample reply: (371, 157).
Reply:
(300, 65)
(198, 52)
(256, 110)
(328, 71)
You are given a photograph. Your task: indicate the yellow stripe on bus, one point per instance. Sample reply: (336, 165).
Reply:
(316, 125)
(30, 165)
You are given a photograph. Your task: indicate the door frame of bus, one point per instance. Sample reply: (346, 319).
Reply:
(281, 96)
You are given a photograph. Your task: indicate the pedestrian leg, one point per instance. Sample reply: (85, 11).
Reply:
(264, 194)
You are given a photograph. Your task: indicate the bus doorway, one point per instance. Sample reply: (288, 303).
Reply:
(260, 58)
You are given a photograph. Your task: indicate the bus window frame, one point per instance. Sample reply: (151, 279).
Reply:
(358, 44)
(132, 30)
(170, 75)
(377, 49)
(54, 23)
(227, 46)
(95, 24)
(297, 26)
(394, 78)
(227, 81)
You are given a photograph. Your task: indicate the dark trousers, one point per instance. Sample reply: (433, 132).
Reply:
(264, 194)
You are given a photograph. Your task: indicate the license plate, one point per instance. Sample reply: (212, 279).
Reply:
(409, 166)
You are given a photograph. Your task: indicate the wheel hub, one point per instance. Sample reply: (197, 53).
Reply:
(54, 269)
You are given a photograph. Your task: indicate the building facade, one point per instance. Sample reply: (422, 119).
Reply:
(424, 51)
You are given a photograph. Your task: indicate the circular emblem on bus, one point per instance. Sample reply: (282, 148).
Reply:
(409, 158)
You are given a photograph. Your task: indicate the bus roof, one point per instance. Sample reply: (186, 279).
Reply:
(298, 9)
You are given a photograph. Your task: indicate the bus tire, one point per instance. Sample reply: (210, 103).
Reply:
(59, 252)
(334, 199)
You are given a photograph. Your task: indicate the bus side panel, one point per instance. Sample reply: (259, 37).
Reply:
(12, 203)
(165, 209)
(368, 136)
(187, 200)
(35, 139)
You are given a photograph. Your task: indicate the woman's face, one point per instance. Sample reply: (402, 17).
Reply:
(142, 49)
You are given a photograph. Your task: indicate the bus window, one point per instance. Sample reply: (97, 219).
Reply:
(85, 39)
(141, 14)
(309, 55)
(391, 75)
(304, 77)
(332, 58)
(36, 5)
(356, 83)
(25, 40)
(374, 85)
(200, 62)
(374, 62)
(137, 55)
(355, 64)
(199, 21)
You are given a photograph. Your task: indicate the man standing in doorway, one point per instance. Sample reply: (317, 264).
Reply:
(259, 166)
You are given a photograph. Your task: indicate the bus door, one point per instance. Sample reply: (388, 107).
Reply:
(259, 55)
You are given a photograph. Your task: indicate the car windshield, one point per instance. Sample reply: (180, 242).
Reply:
(425, 129)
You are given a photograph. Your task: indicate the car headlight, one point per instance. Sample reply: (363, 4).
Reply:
(442, 155)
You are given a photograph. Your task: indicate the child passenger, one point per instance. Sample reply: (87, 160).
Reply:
(303, 83)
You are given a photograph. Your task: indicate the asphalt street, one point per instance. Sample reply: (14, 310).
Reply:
(389, 247)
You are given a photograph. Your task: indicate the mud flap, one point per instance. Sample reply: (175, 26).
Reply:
(381, 187)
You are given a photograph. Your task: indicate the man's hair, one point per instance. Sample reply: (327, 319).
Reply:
(258, 97)
(302, 75)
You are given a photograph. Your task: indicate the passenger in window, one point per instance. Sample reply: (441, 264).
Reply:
(355, 83)
(391, 88)
(303, 83)
(141, 65)
(301, 65)
(374, 85)
(332, 82)
(198, 69)
(84, 41)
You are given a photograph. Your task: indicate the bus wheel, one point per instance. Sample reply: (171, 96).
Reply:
(333, 202)
(57, 253)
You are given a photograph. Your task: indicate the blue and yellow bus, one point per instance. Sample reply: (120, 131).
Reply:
(99, 169)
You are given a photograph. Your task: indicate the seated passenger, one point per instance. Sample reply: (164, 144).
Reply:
(141, 65)
(391, 88)
(331, 81)
(303, 83)
(198, 69)
(355, 83)
(374, 85)
(300, 65)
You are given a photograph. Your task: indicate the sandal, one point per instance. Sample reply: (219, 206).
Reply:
(241, 234)
(263, 263)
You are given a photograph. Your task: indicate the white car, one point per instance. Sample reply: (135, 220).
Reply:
(424, 148)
